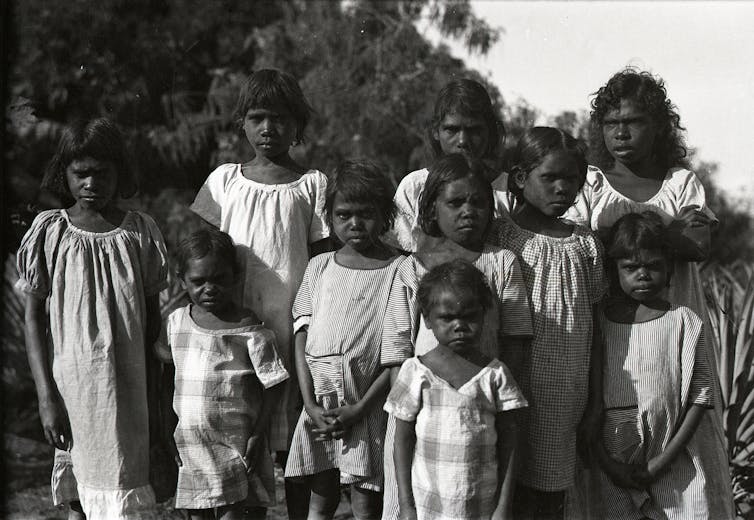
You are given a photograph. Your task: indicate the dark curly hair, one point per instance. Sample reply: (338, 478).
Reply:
(204, 242)
(445, 170)
(96, 138)
(649, 93)
(533, 147)
(457, 275)
(268, 87)
(361, 181)
(469, 98)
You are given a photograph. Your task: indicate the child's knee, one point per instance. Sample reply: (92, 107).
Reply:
(366, 504)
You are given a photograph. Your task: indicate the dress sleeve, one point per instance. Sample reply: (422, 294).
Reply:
(318, 228)
(690, 191)
(210, 200)
(153, 256)
(405, 398)
(264, 357)
(302, 304)
(508, 395)
(515, 311)
(31, 259)
(581, 212)
(398, 328)
(700, 389)
(406, 210)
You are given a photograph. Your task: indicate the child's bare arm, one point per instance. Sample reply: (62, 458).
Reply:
(270, 396)
(306, 385)
(659, 464)
(347, 415)
(590, 423)
(403, 457)
(507, 439)
(512, 353)
(52, 413)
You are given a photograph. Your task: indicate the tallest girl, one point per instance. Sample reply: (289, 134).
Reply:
(273, 209)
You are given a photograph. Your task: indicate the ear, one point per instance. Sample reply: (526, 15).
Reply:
(519, 177)
(435, 133)
(183, 283)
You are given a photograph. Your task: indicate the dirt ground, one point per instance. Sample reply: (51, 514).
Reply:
(26, 495)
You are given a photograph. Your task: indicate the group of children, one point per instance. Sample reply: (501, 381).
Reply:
(477, 308)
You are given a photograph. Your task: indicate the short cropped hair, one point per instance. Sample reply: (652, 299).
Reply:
(457, 275)
(202, 243)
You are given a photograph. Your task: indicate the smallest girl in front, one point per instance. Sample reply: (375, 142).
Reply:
(659, 455)
(454, 440)
(226, 362)
(338, 320)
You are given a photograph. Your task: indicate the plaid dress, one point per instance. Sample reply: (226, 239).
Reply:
(219, 380)
(564, 277)
(454, 471)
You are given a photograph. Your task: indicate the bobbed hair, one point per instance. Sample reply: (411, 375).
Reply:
(649, 94)
(468, 98)
(445, 170)
(455, 276)
(633, 232)
(534, 145)
(96, 138)
(361, 181)
(202, 243)
(266, 88)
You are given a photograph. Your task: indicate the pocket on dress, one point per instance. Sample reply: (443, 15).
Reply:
(620, 432)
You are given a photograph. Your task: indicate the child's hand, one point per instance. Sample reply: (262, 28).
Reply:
(623, 475)
(57, 429)
(169, 443)
(253, 447)
(344, 417)
(325, 426)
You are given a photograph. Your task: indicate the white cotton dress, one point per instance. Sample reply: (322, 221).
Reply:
(97, 284)
(406, 233)
(272, 226)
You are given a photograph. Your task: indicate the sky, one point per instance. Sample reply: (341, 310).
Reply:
(554, 54)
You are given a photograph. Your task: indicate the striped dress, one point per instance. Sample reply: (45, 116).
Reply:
(454, 473)
(219, 379)
(653, 372)
(343, 309)
(565, 278)
(407, 335)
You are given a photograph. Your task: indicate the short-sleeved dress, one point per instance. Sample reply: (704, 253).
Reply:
(454, 473)
(653, 372)
(564, 277)
(97, 284)
(406, 334)
(406, 233)
(272, 226)
(219, 380)
(343, 308)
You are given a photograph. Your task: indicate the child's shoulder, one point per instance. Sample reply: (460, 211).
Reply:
(413, 182)
(684, 314)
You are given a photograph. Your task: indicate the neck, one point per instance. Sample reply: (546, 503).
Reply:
(645, 169)
(532, 219)
(623, 309)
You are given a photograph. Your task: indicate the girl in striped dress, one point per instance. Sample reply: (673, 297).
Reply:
(338, 315)
(563, 270)
(227, 376)
(456, 211)
(660, 458)
(454, 440)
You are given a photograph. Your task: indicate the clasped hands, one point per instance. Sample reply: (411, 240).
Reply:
(335, 423)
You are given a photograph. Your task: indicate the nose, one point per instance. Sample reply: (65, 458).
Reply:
(460, 326)
(463, 139)
(622, 131)
(643, 273)
(265, 125)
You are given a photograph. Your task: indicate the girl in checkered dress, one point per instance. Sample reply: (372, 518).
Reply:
(454, 437)
(659, 455)
(227, 378)
(338, 321)
(563, 272)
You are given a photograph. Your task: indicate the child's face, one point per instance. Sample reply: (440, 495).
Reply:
(629, 133)
(356, 224)
(270, 130)
(463, 134)
(552, 186)
(643, 277)
(456, 319)
(93, 183)
(463, 212)
(209, 282)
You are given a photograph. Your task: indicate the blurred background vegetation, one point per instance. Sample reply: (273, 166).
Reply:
(168, 71)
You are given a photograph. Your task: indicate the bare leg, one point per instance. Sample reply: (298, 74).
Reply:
(201, 514)
(75, 512)
(232, 512)
(325, 495)
(366, 504)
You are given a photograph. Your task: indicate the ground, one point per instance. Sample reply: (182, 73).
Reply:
(27, 485)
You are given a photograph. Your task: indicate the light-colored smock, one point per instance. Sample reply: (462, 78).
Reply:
(565, 278)
(653, 372)
(272, 226)
(454, 473)
(219, 379)
(406, 334)
(343, 309)
(97, 284)
(406, 233)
